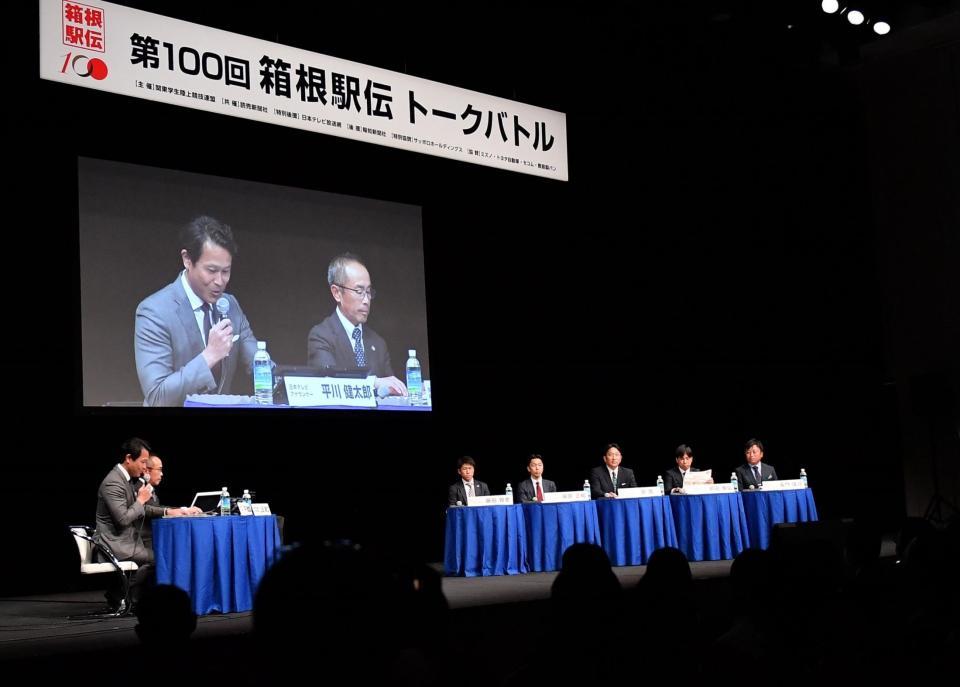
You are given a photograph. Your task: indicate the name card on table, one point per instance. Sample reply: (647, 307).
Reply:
(638, 492)
(330, 391)
(498, 500)
(244, 509)
(783, 484)
(697, 489)
(260, 508)
(565, 496)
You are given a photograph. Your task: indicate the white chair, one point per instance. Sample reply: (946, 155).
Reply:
(87, 545)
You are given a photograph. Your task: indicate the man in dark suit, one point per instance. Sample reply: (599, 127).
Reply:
(532, 490)
(152, 508)
(755, 472)
(465, 487)
(673, 479)
(343, 340)
(607, 479)
(120, 514)
(181, 344)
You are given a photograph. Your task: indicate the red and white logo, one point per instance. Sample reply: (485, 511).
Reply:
(83, 26)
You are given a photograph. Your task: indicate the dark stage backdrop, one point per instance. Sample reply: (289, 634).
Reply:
(708, 274)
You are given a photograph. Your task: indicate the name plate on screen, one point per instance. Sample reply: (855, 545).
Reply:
(696, 489)
(260, 508)
(498, 500)
(565, 496)
(783, 484)
(330, 391)
(638, 492)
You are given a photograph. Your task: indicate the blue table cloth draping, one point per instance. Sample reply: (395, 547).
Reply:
(632, 529)
(710, 527)
(218, 561)
(553, 527)
(764, 509)
(485, 540)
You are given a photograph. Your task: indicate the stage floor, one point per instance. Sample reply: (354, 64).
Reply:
(53, 624)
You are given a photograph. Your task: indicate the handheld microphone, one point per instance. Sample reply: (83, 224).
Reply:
(223, 306)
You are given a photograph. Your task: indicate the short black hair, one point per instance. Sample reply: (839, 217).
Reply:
(534, 456)
(465, 460)
(610, 446)
(684, 450)
(133, 447)
(753, 442)
(204, 228)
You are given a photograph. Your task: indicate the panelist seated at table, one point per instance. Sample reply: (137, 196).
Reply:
(607, 479)
(532, 490)
(460, 492)
(152, 508)
(673, 478)
(755, 472)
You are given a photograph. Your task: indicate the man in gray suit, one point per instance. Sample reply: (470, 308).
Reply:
(532, 490)
(343, 340)
(120, 515)
(182, 345)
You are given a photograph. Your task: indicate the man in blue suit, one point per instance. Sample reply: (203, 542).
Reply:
(182, 344)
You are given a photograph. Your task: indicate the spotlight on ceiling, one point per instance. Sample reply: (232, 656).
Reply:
(830, 6)
(855, 17)
(881, 28)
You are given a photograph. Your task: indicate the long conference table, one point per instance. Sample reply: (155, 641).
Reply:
(516, 539)
(217, 560)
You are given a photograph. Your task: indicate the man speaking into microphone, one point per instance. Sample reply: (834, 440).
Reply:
(191, 336)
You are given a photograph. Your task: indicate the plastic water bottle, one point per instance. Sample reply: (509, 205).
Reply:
(660, 483)
(262, 375)
(414, 380)
(246, 497)
(224, 502)
(733, 481)
(586, 487)
(803, 476)
(509, 491)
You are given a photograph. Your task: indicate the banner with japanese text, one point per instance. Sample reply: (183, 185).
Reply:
(121, 50)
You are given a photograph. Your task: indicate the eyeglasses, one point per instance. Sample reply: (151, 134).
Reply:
(369, 292)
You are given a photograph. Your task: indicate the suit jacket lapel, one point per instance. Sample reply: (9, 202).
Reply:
(189, 320)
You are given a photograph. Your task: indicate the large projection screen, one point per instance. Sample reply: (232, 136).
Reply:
(130, 217)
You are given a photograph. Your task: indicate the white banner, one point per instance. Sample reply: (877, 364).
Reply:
(144, 55)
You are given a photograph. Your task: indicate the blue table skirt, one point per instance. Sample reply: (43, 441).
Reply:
(710, 527)
(485, 540)
(218, 561)
(632, 529)
(764, 509)
(552, 527)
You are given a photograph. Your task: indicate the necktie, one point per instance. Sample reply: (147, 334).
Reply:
(358, 348)
(207, 326)
(539, 492)
(756, 474)
(682, 475)
(469, 490)
(613, 478)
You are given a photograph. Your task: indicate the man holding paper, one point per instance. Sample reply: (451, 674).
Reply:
(674, 478)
